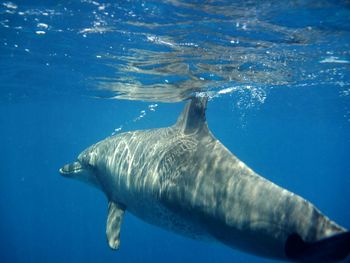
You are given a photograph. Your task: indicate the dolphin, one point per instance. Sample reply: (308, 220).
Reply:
(183, 179)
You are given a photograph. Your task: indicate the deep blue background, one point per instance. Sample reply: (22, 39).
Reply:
(299, 137)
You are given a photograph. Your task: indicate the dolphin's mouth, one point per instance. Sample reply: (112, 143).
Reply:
(71, 168)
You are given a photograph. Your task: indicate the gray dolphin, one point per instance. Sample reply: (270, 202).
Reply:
(183, 179)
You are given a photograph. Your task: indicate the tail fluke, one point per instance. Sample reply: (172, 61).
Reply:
(331, 249)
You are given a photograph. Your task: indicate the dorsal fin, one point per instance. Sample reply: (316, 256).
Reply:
(192, 119)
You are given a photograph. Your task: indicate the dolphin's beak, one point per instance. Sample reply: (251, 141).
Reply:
(71, 169)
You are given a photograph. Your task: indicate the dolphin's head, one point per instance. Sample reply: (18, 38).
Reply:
(83, 169)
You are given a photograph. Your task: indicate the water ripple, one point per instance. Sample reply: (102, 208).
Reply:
(168, 50)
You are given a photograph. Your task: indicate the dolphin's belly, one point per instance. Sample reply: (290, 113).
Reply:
(154, 213)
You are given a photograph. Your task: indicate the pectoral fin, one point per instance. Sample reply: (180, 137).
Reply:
(114, 221)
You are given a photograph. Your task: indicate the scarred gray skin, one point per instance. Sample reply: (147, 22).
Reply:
(183, 179)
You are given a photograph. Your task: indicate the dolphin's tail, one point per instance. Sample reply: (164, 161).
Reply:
(331, 249)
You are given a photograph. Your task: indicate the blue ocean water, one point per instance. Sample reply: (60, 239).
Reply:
(74, 72)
